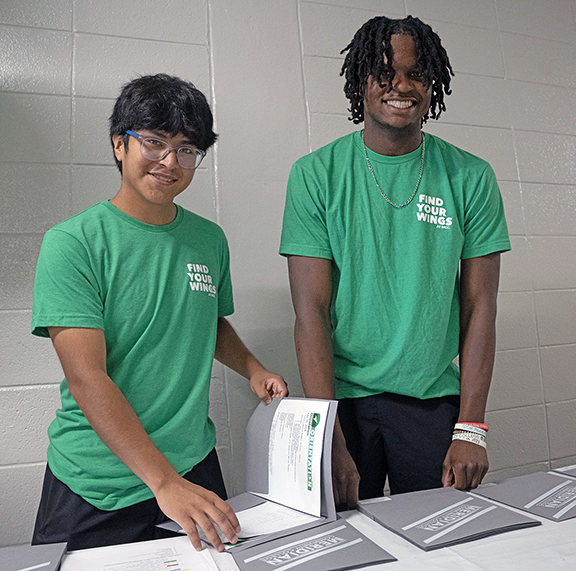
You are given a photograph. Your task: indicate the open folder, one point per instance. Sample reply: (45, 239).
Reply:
(288, 471)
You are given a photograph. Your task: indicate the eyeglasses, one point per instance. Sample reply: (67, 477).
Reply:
(155, 149)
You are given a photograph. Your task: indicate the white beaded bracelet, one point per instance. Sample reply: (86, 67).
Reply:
(470, 437)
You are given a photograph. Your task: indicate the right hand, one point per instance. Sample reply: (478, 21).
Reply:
(345, 477)
(190, 505)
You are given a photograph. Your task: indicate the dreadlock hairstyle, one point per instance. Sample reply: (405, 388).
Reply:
(365, 57)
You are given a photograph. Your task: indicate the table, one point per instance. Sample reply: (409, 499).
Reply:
(550, 546)
(547, 547)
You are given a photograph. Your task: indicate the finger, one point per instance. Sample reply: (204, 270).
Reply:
(279, 388)
(193, 536)
(227, 510)
(478, 476)
(336, 491)
(461, 478)
(352, 495)
(447, 477)
(210, 532)
(262, 391)
(226, 520)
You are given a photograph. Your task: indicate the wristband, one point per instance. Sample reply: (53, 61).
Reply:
(481, 425)
(468, 437)
(470, 428)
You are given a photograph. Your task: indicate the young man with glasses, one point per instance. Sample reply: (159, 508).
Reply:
(133, 293)
(393, 239)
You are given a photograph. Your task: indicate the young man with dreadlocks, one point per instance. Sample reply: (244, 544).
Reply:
(134, 294)
(393, 239)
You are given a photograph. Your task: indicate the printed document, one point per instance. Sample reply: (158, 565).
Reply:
(295, 454)
(270, 518)
(158, 555)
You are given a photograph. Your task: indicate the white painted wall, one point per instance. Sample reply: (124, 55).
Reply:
(270, 70)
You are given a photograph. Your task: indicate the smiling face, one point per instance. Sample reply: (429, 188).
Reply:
(400, 110)
(149, 187)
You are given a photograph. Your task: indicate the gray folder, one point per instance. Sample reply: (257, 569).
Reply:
(257, 450)
(440, 517)
(567, 470)
(332, 546)
(546, 494)
(41, 557)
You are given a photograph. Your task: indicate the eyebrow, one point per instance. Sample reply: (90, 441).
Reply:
(164, 135)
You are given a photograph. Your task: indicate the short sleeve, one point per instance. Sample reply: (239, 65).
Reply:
(485, 229)
(225, 296)
(304, 229)
(66, 289)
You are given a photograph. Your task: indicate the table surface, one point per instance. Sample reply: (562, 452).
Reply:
(550, 546)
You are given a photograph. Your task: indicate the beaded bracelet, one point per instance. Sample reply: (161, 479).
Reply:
(470, 437)
(470, 428)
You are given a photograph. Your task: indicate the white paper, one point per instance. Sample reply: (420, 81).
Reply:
(172, 554)
(270, 518)
(295, 455)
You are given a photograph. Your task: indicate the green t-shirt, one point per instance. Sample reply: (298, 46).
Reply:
(395, 306)
(156, 292)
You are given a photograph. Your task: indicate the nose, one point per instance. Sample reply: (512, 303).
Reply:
(170, 160)
(401, 82)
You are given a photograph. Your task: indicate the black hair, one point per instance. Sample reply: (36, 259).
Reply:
(365, 57)
(163, 103)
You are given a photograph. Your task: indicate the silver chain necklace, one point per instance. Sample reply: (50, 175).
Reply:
(394, 204)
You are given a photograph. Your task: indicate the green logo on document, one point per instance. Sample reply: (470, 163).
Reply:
(314, 422)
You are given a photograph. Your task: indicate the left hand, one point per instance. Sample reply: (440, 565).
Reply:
(465, 465)
(268, 386)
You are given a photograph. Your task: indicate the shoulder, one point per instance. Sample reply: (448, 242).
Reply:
(191, 220)
(79, 226)
(324, 156)
(86, 217)
(455, 156)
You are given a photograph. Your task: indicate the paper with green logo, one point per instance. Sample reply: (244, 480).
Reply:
(295, 454)
(288, 471)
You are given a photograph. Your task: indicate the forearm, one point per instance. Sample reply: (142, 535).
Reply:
(231, 351)
(315, 356)
(478, 346)
(479, 290)
(117, 425)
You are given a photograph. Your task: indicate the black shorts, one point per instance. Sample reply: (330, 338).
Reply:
(66, 516)
(399, 437)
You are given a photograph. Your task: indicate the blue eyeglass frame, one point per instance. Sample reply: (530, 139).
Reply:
(141, 138)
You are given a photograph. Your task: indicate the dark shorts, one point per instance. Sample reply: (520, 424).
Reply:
(66, 516)
(399, 437)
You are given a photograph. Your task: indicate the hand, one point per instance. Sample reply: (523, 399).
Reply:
(345, 477)
(268, 386)
(190, 505)
(465, 465)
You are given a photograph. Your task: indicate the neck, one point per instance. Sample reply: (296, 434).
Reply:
(157, 215)
(391, 142)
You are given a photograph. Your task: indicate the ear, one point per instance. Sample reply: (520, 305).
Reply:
(118, 145)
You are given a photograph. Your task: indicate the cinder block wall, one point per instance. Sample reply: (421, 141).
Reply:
(270, 70)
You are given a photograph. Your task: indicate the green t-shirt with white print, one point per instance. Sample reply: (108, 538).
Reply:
(395, 305)
(156, 292)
